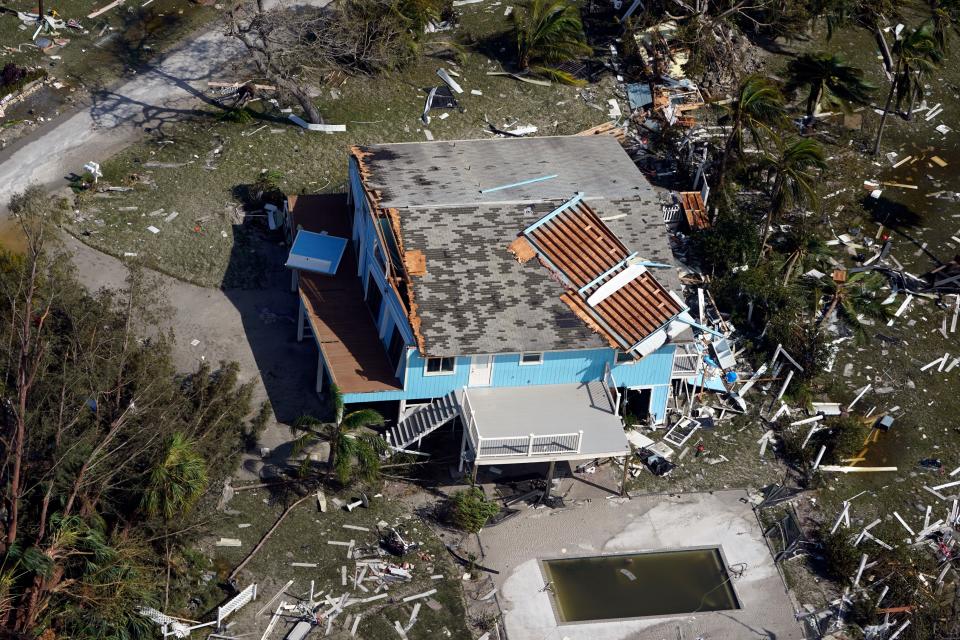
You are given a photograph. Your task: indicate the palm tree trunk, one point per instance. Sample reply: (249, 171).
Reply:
(908, 116)
(334, 445)
(816, 92)
(791, 263)
(886, 110)
(833, 305)
(768, 219)
(727, 151)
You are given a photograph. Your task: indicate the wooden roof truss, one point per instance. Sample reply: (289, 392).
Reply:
(608, 287)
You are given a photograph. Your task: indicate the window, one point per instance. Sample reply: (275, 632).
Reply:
(379, 259)
(531, 358)
(374, 297)
(624, 358)
(395, 351)
(439, 366)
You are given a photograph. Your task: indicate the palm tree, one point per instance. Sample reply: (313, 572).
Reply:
(918, 53)
(944, 19)
(758, 108)
(355, 450)
(830, 79)
(792, 169)
(803, 248)
(853, 300)
(548, 32)
(177, 482)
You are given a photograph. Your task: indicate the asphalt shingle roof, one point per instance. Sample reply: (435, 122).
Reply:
(475, 297)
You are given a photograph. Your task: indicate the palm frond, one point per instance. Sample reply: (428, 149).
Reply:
(178, 480)
(361, 418)
(556, 75)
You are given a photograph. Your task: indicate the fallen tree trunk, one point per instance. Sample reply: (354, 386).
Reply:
(266, 536)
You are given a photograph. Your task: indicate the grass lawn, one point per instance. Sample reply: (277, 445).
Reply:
(206, 161)
(303, 537)
(124, 37)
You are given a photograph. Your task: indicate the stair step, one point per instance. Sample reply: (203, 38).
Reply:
(425, 420)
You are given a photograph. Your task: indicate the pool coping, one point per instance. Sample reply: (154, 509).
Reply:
(555, 606)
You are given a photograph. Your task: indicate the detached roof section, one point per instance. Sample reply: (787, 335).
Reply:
(316, 252)
(609, 288)
(470, 294)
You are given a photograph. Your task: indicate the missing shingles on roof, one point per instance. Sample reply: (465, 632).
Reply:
(522, 249)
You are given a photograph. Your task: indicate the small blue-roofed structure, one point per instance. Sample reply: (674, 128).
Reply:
(316, 252)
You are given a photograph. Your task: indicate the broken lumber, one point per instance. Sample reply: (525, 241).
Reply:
(326, 128)
(842, 469)
(104, 9)
(425, 594)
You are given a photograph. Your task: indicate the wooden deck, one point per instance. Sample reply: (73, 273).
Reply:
(344, 329)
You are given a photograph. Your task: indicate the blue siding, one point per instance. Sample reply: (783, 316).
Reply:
(658, 403)
(655, 369)
(365, 236)
(419, 386)
(558, 367)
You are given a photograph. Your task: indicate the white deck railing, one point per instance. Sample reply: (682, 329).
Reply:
(530, 445)
(610, 386)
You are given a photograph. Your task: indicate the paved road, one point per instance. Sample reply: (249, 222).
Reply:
(114, 117)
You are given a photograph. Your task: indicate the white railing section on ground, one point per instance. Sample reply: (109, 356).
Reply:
(511, 446)
(685, 364)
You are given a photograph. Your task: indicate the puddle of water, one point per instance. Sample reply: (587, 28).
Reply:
(645, 584)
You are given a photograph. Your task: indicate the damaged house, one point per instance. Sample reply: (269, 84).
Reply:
(523, 285)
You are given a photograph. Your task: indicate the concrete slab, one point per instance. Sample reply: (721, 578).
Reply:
(647, 523)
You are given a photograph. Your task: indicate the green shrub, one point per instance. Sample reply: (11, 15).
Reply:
(471, 509)
(840, 559)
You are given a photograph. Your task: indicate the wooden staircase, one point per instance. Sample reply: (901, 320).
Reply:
(423, 421)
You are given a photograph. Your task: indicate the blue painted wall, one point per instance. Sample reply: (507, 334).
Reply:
(367, 244)
(558, 367)
(655, 369)
(658, 403)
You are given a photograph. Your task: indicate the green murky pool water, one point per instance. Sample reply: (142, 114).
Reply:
(643, 584)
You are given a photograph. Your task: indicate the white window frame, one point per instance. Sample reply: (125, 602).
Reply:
(539, 361)
(452, 371)
(629, 361)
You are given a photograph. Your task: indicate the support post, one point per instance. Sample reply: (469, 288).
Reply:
(550, 469)
(463, 445)
(301, 315)
(473, 473)
(623, 478)
(320, 373)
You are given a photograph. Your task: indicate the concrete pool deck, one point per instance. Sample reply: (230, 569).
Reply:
(647, 523)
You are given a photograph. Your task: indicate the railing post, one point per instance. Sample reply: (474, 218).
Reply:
(579, 440)
(530, 445)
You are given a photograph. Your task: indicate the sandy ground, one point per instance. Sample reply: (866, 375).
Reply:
(254, 327)
(654, 522)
